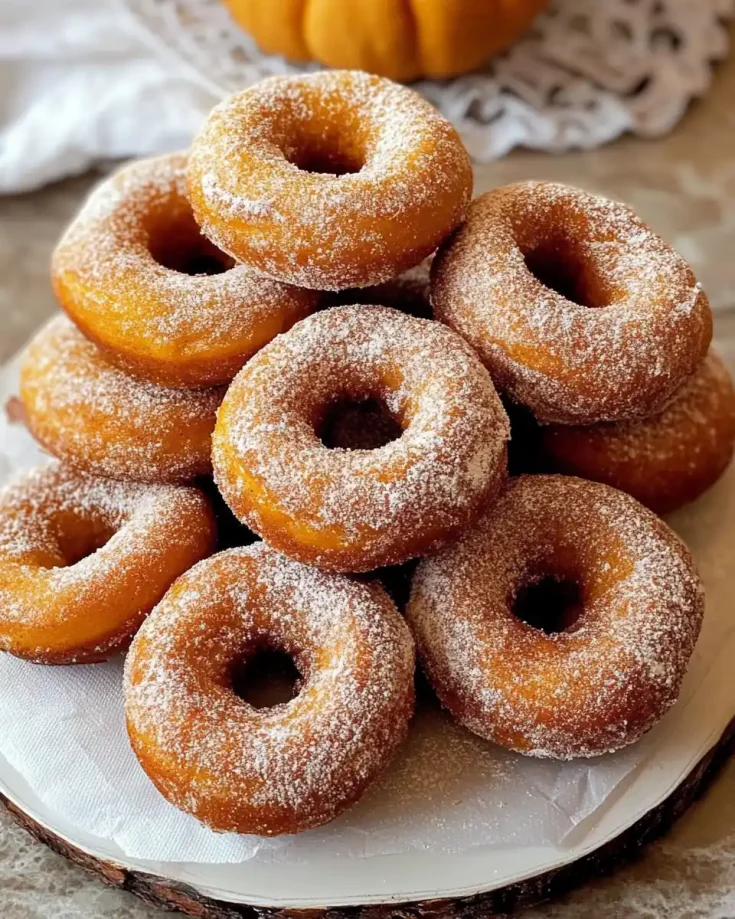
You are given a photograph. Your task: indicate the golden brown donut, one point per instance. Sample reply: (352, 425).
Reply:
(83, 560)
(368, 424)
(328, 180)
(577, 308)
(665, 461)
(136, 275)
(297, 764)
(355, 510)
(592, 687)
(89, 413)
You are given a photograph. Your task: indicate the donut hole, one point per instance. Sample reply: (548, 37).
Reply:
(324, 162)
(549, 604)
(325, 154)
(179, 245)
(561, 268)
(267, 678)
(358, 424)
(79, 541)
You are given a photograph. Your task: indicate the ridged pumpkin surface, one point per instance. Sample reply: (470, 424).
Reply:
(400, 39)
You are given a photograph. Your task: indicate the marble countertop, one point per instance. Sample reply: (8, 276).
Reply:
(684, 186)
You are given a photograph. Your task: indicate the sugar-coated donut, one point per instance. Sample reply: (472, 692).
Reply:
(665, 461)
(83, 560)
(355, 510)
(328, 180)
(592, 688)
(577, 308)
(297, 764)
(410, 293)
(368, 425)
(136, 275)
(91, 414)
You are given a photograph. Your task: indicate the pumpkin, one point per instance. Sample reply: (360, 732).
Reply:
(400, 39)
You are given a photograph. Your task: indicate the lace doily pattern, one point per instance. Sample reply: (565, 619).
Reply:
(587, 72)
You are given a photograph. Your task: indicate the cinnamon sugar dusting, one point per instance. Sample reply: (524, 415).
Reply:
(688, 421)
(78, 547)
(89, 413)
(664, 461)
(107, 277)
(645, 328)
(433, 479)
(297, 764)
(393, 178)
(588, 690)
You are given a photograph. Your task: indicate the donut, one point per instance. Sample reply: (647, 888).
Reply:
(328, 180)
(410, 293)
(665, 461)
(83, 560)
(295, 765)
(355, 510)
(136, 275)
(87, 412)
(562, 624)
(579, 311)
(368, 424)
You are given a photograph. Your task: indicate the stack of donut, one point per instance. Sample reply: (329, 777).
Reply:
(248, 325)
(598, 334)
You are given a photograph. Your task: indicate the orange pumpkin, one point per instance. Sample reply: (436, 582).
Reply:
(400, 39)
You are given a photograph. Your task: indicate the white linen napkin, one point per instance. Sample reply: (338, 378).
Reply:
(78, 84)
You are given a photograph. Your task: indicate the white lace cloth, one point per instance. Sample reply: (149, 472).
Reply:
(589, 71)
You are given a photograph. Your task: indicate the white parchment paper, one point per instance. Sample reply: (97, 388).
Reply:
(62, 728)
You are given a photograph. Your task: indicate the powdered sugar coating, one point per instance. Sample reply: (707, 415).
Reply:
(647, 329)
(354, 510)
(664, 461)
(104, 421)
(292, 766)
(171, 327)
(84, 559)
(582, 692)
(407, 184)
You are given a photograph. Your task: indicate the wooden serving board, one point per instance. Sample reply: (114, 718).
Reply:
(169, 894)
